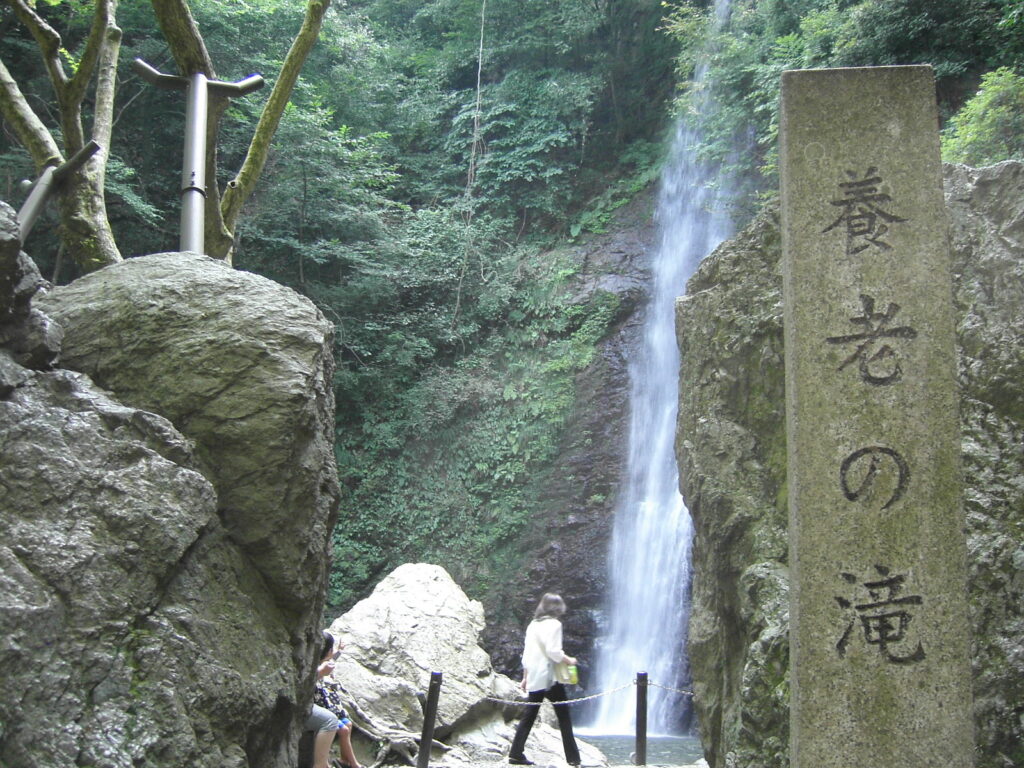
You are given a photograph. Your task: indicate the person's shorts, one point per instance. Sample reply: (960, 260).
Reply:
(321, 719)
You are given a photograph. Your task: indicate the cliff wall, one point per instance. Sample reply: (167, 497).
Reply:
(732, 456)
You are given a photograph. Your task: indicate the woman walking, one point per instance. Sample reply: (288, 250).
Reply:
(542, 650)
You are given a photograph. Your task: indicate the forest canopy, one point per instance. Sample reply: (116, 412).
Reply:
(431, 161)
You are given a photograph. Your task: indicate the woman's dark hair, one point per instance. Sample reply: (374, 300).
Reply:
(328, 648)
(551, 605)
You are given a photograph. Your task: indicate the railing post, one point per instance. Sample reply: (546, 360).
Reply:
(429, 716)
(641, 718)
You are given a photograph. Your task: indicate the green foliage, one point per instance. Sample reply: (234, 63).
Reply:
(644, 160)
(990, 127)
(961, 39)
(689, 25)
(450, 471)
(121, 180)
(533, 126)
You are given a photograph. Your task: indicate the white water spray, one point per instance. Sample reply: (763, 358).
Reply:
(650, 552)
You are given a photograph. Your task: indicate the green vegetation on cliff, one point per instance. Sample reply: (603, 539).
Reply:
(434, 159)
(962, 39)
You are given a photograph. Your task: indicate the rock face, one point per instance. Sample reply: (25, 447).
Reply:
(732, 456)
(243, 367)
(418, 621)
(29, 336)
(567, 551)
(163, 574)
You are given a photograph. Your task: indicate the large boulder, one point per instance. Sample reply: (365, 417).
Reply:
(732, 455)
(151, 616)
(416, 622)
(244, 367)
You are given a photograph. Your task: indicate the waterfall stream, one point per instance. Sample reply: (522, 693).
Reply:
(649, 561)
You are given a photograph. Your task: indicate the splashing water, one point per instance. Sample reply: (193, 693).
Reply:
(649, 560)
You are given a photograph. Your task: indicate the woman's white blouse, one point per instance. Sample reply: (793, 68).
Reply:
(542, 649)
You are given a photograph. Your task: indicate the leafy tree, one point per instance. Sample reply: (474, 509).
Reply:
(86, 230)
(563, 87)
(961, 39)
(990, 127)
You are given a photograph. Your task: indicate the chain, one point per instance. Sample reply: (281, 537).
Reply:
(520, 702)
(673, 690)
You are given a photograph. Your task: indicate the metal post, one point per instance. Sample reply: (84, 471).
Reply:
(35, 202)
(641, 719)
(49, 180)
(429, 716)
(193, 167)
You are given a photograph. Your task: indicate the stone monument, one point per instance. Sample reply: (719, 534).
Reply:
(879, 632)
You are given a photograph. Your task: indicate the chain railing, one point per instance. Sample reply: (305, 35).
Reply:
(640, 682)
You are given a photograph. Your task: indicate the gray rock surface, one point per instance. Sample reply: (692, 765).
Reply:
(418, 621)
(987, 207)
(731, 450)
(241, 365)
(161, 603)
(567, 549)
(29, 336)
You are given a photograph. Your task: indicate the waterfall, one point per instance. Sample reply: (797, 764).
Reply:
(649, 560)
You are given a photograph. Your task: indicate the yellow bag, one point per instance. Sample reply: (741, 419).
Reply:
(566, 673)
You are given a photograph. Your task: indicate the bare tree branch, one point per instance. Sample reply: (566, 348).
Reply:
(30, 130)
(46, 38)
(98, 40)
(183, 37)
(85, 229)
(241, 187)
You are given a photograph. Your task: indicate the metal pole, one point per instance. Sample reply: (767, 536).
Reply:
(35, 202)
(641, 719)
(429, 716)
(193, 168)
(50, 179)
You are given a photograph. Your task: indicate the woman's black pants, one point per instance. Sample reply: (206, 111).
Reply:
(555, 694)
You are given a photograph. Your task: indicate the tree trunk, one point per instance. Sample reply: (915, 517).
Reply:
(85, 230)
